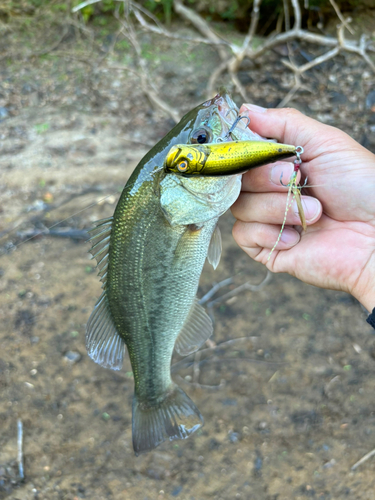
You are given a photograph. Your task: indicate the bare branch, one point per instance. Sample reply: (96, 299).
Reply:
(241, 288)
(253, 25)
(344, 21)
(201, 25)
(286, 15)
(163, 32)
(297, 14)
(20, 448)
(363, 459)
(146, 84)
(240, 89)
(215, 75)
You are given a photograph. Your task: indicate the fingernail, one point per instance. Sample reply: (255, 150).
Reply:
(311, 207)
(281, 172)
(289, 236)
(254, 108)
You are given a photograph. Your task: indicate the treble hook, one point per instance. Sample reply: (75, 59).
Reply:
(287, 185)
(237, 121)
(233, 126)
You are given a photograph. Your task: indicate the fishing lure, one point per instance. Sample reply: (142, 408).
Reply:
(224, 158)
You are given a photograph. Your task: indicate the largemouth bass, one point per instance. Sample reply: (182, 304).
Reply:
(150, 256)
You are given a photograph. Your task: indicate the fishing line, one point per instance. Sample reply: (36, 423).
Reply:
(296, 190)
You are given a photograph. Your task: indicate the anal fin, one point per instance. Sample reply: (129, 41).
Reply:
(103, 342)
(195, 331)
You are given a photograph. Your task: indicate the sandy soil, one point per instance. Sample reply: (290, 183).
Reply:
(288, 410)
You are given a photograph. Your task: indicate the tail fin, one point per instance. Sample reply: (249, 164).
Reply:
(176, 417)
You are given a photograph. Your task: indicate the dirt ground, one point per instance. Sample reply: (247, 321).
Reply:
(288, 409)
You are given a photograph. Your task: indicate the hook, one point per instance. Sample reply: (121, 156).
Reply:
(233, 126)
(281, 180)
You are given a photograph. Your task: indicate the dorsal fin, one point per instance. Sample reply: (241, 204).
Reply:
(214, 250)
(195, 331)
(100, 237)
(103, 342)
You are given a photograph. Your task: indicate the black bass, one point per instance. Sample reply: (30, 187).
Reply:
(150, 256)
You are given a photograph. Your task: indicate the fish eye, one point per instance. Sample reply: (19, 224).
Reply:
(200, 136)
(182, 166)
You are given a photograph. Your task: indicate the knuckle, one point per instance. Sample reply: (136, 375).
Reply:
(292, 112)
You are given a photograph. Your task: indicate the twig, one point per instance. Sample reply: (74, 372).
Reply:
(253, 25)
(218, 347)
(215, 75)
(160, 30)
(363, 459)
(196, 369)
(286, 15)
(20, 449)
(198, 385)
(55, 45)
(63, 232)
(202, 26)
(214, 289)
(297, 14)
(239, 289)
(344, 21)
(146, 85)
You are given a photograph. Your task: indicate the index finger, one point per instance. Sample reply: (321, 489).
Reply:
(289, 126)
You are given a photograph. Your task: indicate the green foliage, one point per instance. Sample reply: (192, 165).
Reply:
(41, 127)
(213, 10)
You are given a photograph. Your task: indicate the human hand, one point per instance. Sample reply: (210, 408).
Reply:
(337, 250)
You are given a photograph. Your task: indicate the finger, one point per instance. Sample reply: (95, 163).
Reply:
(269, 208)
(289, 126)
(254, 237)
(269, 178)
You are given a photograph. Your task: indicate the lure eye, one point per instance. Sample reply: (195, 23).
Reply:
(200, 136)
(182, 166)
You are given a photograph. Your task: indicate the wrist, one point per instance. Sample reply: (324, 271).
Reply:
(367, 296)
(364, 287)
(368, 301)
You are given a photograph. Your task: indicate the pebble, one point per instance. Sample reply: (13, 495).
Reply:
(234, 437)
(72, 356)
(370, 100)
(4, 113)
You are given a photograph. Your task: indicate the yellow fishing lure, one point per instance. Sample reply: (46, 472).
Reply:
(224, 158)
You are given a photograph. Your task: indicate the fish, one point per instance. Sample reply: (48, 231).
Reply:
(224, 158)
(150, 256)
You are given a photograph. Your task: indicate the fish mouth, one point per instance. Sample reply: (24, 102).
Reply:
(225, 108)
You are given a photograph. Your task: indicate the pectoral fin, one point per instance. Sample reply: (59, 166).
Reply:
(214, 250)
(196, 330)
